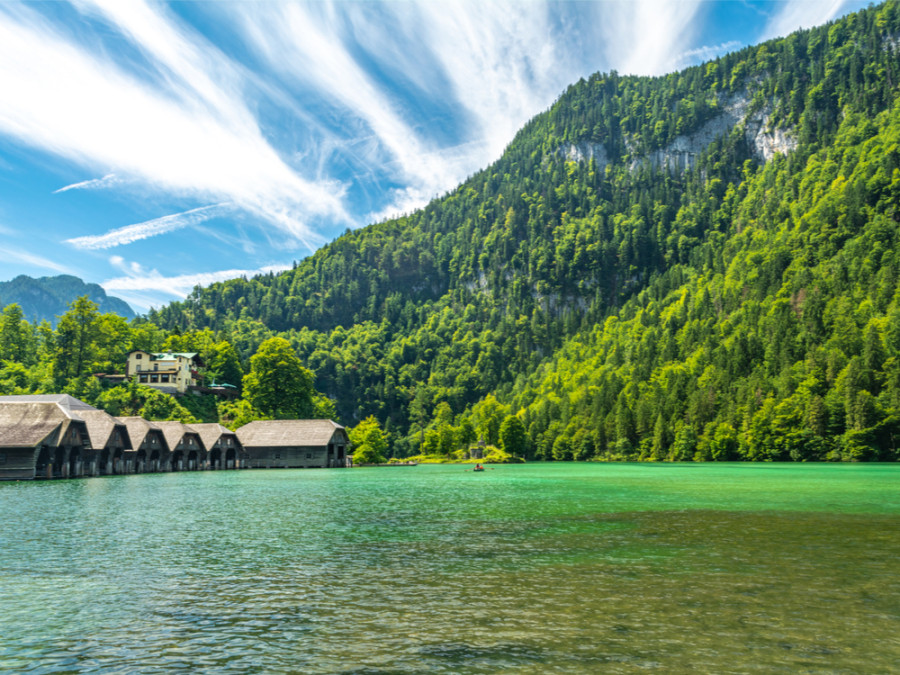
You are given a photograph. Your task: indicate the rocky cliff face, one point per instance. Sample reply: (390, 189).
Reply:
(681, 154)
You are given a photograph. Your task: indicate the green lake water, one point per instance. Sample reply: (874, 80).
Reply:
(569, 568)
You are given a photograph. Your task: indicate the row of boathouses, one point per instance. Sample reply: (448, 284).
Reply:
(59, 436)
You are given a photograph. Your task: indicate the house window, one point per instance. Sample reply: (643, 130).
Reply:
(2, 458)
(308, 455)
(154, 378)
(144, 379)
(165, 378)
(138, 356)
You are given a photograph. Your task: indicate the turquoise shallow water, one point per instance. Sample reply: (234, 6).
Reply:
(613, 568)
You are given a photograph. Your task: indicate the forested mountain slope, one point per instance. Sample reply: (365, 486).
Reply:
(47, 298)
(700, 263)
(778, 341)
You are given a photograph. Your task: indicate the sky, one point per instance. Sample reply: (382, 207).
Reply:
(151, 147)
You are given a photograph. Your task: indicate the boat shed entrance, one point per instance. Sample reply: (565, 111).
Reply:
(150, 452)
(40, 437)
(294, 444)
(187, 450)
(223, 448)
(109, 443)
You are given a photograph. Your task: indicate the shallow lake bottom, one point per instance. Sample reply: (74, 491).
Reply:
(611, 568)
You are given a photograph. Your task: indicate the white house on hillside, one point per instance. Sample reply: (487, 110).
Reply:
(172, 372)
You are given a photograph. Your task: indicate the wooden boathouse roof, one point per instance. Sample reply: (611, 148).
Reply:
(101, 426)
(27, 425)
(138, 428)
(176, 431)
(27, 421)
(64, 401)
(211, 432)
(288, 433)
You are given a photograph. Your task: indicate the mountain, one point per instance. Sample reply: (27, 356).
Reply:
(698, 265)
(49, 297)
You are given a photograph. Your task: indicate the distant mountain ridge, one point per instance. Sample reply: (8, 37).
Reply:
(49, 297)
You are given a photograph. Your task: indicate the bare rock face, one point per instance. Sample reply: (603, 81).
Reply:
(585, 151)
(768, 140)
(681, 154)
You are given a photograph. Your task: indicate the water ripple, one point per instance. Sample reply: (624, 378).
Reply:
(377, 572)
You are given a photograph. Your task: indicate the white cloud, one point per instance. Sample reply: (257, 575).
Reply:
(403, 201)
(197, 138)
(706, 52)
(19, 256)
(108, 181)
(796, 14)
(149, 228)
(306, 44)
(498, 60)
(645, 37)
(144, 289)
(192, 67)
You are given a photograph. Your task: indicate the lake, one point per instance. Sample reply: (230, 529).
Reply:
(613, 568)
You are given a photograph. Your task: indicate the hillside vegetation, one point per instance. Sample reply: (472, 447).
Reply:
(695, 266)
(46, 298)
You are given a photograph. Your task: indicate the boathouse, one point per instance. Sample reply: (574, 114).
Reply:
(290, 444)
(109, 441)
(149, 451)
(41, 437)
(224, 450)
(185, 445)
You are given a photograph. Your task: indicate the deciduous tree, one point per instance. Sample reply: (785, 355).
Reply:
(277, 384)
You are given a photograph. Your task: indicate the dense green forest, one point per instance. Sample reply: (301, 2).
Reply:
(695, 266)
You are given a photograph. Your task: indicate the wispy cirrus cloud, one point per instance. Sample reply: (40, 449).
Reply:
(500, 62)
(19, 256)
(194, 137)
(184, 120)
(706, 52)
(150, 228)
(793, 15)
(312, 49)
(144, 288)
(108, 181)
(645, 37)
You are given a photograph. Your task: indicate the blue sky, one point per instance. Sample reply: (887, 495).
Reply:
(151, 147)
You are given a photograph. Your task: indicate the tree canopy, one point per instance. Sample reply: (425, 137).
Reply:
(369, 442)
(277, 384)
